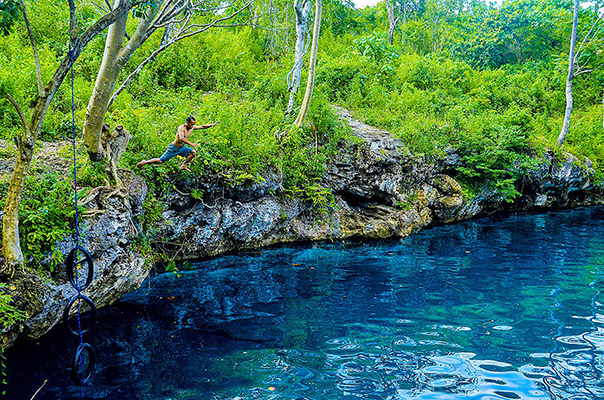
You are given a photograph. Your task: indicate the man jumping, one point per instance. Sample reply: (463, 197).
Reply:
(177, 147)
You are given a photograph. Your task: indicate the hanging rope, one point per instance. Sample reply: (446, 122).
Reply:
(82, 364)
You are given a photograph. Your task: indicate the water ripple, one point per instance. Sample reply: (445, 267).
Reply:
(490, 309)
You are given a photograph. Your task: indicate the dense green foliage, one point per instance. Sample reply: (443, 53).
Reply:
(47, 215)
(485, 80)
(9, 314)
(9, 12)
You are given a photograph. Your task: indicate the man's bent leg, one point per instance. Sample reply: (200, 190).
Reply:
(191, 155)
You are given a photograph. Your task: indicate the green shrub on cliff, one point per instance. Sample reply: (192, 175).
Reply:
(9, 314)
(496, 119)
(242, 147)
(46, 217)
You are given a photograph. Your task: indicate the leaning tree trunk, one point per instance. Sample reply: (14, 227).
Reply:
(569, 77)
(311, 68)
(11, 244)
(114, 58)
(103, 87)
(302, 10)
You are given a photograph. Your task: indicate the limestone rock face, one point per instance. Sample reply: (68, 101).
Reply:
(119, 268)
(380, 190)
(445, 197)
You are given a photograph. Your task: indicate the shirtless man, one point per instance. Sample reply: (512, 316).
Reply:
(177, 147)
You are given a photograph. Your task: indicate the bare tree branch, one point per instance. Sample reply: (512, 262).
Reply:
(73, 27)
(166, 15)
(98, 7)
(172, 22)
(163, 8)
(579, 68)
(591, 36)
(183, 32)
(179, 10)
(32, 39)
(19, 110)
(583, 72)
(578, 52)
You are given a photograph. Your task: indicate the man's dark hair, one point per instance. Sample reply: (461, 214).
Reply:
(190, 118)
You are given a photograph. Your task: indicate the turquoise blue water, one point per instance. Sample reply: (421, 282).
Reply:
(506, 307)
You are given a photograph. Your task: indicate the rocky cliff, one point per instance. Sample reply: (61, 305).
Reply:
(119, 267)
(380, 190)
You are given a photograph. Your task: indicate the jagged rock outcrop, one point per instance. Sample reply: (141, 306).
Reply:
(380, 190)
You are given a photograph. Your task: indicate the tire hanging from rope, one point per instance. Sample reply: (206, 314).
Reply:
(82, 365)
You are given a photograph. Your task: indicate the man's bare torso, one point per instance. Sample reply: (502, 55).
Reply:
(186, 133)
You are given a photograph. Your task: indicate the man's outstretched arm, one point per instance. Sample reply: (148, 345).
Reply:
(206, 126)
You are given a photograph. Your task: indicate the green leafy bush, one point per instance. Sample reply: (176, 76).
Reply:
(342, 77)
(376, 48)
(9, 314)
(492, 159)
(46, 216)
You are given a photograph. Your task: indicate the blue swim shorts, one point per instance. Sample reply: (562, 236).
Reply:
(173, 151)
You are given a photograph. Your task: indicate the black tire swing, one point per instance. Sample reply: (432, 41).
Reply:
(84, 359)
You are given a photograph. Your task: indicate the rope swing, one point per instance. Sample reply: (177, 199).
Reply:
(83, 362)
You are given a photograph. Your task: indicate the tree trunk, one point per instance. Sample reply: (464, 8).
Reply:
(569, 77)
(103, 87)
(302, 10)
(11, 244)
(115, 144)
(114, 58)
(311, 68)
(391, 20)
